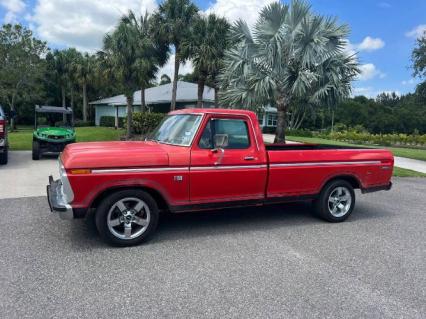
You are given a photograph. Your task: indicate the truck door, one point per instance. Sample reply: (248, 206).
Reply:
(227, 163)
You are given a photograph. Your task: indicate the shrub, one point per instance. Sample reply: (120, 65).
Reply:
(357, 137)
(79, 123)
(299, 132)
(144, 123)
(109, 121)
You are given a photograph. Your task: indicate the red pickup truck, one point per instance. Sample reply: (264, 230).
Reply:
(202, 159)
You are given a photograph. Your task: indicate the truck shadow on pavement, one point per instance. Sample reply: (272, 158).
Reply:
(187, 226)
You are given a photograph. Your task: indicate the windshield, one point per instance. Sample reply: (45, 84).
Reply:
(177, 129)
(53, 120)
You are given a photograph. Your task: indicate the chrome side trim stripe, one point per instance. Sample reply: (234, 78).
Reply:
(207, 168)
(140, 170)
(325, 163)
(175, 169)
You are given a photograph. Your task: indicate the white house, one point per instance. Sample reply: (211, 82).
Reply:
(157, 99)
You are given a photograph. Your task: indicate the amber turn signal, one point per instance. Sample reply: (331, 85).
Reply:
(80, 171)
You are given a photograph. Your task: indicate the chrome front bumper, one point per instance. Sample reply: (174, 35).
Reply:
(57, 201)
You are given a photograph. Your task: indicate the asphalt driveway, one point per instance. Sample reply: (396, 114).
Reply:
(254, 263)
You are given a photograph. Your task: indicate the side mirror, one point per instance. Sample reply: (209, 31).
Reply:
(220, 141)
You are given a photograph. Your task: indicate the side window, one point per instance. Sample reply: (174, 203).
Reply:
(236, 131)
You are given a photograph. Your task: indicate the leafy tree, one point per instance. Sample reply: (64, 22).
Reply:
(291, 54)
(206, 47)
(152, 52)
(22, 66)
(120, 56)
(172, 23)
(419, 57)
(165, 79)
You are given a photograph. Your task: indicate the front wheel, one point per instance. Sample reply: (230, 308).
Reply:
(336, 201)
(36, 150)
(127, 217)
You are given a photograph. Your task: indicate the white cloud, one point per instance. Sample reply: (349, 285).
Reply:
(384, 5)
(13, 7)
(417, 32)
(247, 10)
(366, 91)
(170, 67)
(371, 92)
(81, 23)
(369, 71)
(409, 82)
(370, 44)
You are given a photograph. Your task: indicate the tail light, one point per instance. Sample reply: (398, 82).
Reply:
(2, 127)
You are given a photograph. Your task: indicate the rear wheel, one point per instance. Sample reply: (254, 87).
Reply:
(336, 201)
(4, 157)
(127, 217)
(36, 150)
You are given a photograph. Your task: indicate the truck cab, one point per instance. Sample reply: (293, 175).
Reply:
(202, 159)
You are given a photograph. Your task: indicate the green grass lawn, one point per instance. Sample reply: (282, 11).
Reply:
(22, 139)
(397, 151)
(402, 172)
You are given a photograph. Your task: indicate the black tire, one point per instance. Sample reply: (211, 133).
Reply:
(335, 208)
(36, 150)
(4, 157)
(104, 217)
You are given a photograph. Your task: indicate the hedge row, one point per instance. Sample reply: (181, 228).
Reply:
(144, 123)
(379, 139)
(109, 121)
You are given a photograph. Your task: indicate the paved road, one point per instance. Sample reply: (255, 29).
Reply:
(23, 177)
(275, 262)
(412, 164)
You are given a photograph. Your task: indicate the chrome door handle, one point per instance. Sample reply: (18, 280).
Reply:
(249, 158)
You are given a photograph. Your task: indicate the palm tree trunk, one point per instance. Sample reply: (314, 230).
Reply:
(175, 79)
(129, 116)
(282, 106)
(143, 104)
(72, 104)
(84, 102)
(64, 103)
(201, 82)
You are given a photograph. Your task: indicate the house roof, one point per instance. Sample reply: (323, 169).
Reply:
(186, 92)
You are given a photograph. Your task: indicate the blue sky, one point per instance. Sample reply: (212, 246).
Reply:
(382, 32)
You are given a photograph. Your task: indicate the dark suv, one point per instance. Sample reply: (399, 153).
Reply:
(3, 138)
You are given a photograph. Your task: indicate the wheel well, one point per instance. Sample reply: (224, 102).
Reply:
(159, 199)
(348, 178)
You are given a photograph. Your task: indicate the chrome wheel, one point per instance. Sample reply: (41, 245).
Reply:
(339, 201)
(128, 218)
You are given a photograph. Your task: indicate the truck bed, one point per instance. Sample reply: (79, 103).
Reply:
(311, 147)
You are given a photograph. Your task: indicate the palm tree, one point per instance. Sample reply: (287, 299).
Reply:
(72, 56)
(85, 72)
(152, 52)
(119, 60)
(173, 23)
(291, 54)
(60, 67)
(206, 48)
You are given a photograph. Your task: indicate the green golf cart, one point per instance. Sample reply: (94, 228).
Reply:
(53, 130)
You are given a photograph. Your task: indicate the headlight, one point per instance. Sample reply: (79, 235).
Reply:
(1, 141)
